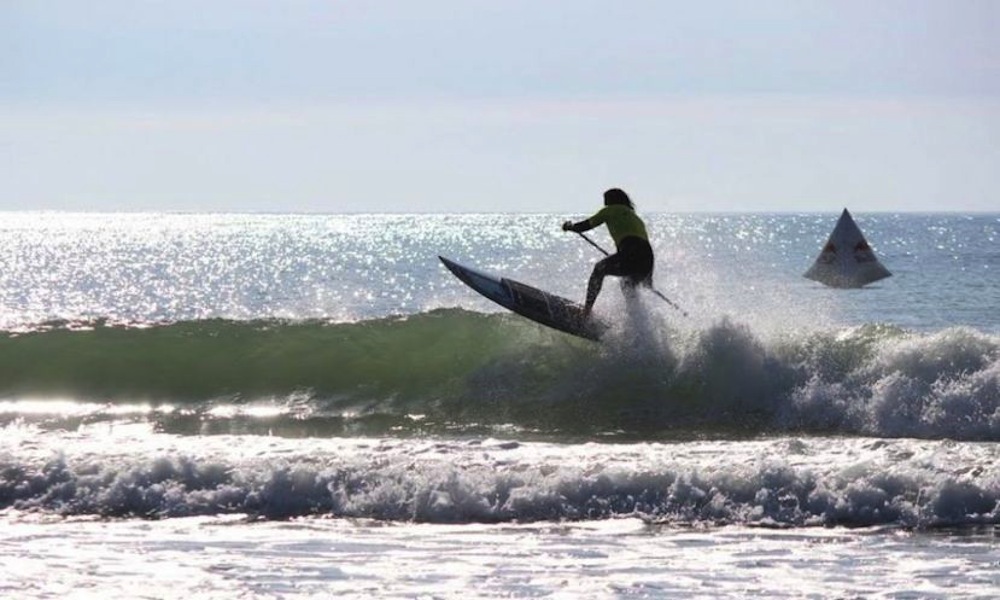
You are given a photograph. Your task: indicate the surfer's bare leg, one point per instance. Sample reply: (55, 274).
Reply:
(594, 286)
(593, 289)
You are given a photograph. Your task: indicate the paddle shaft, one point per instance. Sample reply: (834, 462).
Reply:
(654, 290)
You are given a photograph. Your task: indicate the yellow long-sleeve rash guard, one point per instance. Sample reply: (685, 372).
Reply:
(621, 220)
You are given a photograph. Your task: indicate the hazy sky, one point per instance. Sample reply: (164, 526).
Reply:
(503, 105)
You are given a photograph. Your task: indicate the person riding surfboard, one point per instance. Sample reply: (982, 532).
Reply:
(633, 261)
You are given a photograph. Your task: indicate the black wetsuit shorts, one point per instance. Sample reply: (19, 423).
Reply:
(634, 261)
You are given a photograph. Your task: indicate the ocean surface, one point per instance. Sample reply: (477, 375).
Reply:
(303, 406)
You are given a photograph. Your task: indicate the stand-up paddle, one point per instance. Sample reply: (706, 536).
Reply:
(654, 290)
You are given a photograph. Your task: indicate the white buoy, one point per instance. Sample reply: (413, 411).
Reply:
(847, 261)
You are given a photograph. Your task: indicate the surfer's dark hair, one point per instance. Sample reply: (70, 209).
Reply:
(617, 196)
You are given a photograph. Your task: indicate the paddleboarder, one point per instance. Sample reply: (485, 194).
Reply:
(633, 261)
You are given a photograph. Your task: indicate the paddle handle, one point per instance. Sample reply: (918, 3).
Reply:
(592, 243)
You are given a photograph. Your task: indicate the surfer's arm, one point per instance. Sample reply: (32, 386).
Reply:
(586, 224)
(580, 227)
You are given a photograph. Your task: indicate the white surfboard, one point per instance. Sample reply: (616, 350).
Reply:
(847, 261)
(542, 307)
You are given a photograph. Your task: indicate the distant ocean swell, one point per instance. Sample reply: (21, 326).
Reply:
(428, 486)
(457, 368)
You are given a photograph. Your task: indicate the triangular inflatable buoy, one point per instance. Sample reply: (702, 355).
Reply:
(847, 261)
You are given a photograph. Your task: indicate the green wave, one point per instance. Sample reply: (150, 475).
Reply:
(454, 368)
(429, 355)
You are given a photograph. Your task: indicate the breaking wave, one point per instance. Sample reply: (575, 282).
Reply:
(453, 369)
(494, 482)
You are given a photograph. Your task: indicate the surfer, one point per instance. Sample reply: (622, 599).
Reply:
(634, 260)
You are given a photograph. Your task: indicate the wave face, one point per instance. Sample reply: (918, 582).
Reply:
(456, 369)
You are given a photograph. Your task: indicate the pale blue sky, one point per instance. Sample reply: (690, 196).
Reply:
(439, 105)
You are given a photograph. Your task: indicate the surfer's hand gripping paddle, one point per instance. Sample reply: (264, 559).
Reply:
(654, 290)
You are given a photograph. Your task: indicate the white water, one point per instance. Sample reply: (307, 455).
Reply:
(722, 519)
(128, 470)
